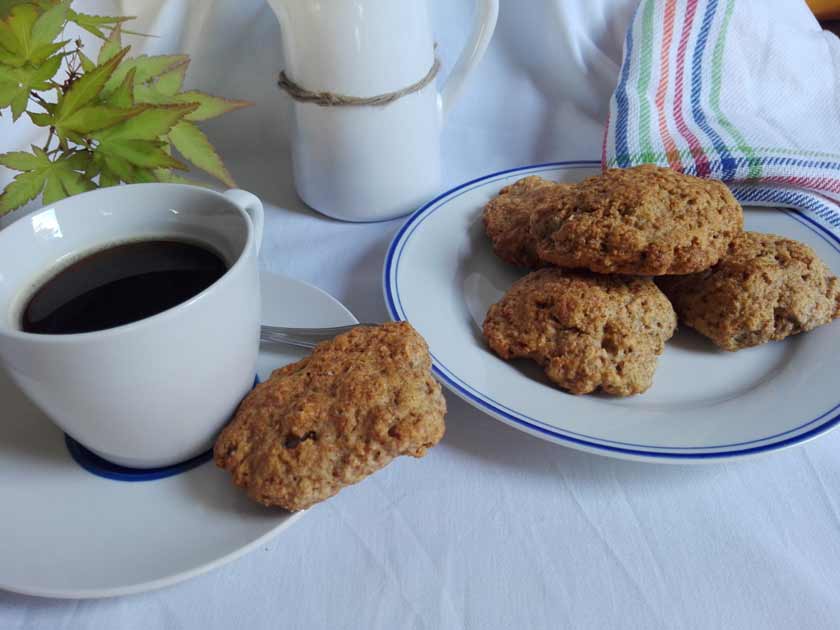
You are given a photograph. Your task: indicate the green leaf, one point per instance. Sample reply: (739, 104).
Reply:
(144, 153)
(147, 93)
(96, 32)
(68, 135)
(95, 21)
(94, 166)
(6, 6)
(196, 148)
(21, 161)
(87, 63)
(123, 96)
(40, 53)
(23, 188)
(16, 83)
(63, 178)
(10, 59)
(41, 120)
(49, 25)
(146, 67)
(19, 103)
(20, 21)
(57, 178)
(209, 106)
(9, 41)
(27, 35)
(111, 47)
(53, 191)
(171, 81)
(150, 124)
(150, 67)
(118, 167)
(142, 176)
(173, 178)
(78, 161)
(45, 72)
(137, 33)
(88, 87)
(107, 177)
(8, 91)
(14, 89)
(72, 182)
(95, 118)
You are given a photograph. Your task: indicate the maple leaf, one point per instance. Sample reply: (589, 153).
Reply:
(196, 148)
(16, 84)
(57, 178)
(114, 118)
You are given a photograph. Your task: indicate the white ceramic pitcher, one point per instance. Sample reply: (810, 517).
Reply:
(370, 162)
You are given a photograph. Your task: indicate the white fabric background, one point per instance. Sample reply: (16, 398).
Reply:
(493, 529)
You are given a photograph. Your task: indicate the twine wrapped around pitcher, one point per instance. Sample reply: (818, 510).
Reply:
(332, 99)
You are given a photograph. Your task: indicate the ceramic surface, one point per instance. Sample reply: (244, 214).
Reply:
(154, 392)
(370, 163)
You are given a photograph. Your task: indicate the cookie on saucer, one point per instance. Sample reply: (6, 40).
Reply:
(765, 288)
(645, 220)
(507, 218)
(589, 332)
(332, 419)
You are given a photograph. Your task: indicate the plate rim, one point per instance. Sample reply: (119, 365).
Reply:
(758, 195)
(159, 583)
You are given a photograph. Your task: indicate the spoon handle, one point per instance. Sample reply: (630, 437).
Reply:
(302, 337)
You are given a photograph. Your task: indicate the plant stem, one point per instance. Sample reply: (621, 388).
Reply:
(39, 100)
(49, 139)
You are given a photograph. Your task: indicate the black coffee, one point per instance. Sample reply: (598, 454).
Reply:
(121, 285)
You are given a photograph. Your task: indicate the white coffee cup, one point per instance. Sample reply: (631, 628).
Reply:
(157, 391)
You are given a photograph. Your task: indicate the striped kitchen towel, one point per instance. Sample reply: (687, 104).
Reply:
(747, 91)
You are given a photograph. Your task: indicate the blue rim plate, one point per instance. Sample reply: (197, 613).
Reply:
(705, 405)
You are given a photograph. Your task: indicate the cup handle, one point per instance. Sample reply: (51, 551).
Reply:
(486, 14)
(253, 206)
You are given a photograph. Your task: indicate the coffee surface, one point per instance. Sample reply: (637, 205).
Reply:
(120, 285)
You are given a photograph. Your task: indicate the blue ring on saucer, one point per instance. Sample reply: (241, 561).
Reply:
(101, 467)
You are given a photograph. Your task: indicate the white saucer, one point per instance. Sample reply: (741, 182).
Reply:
(705, 404)
(67, 533)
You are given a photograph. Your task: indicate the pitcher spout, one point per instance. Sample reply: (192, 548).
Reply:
(281, 11)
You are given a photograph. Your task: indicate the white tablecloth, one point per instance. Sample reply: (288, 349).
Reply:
(493, 529)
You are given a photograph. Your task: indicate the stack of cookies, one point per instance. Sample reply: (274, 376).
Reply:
(617, 257)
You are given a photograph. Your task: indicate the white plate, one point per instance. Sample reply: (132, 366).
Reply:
(67, 533)
(705, 404)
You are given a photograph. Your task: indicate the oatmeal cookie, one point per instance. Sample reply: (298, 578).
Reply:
(507, 217)
(587, 331)
(765, 288)
(645, 220)
(332, 419)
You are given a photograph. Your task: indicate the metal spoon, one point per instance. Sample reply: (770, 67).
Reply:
(302, 337)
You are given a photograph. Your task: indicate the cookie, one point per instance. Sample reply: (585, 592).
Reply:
(645, 220)
(587, 331)
(765, 288)
(330, 420)
(507, 218)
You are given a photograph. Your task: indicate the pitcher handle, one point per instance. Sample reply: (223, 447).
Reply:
(253, 207)
(486, 14)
